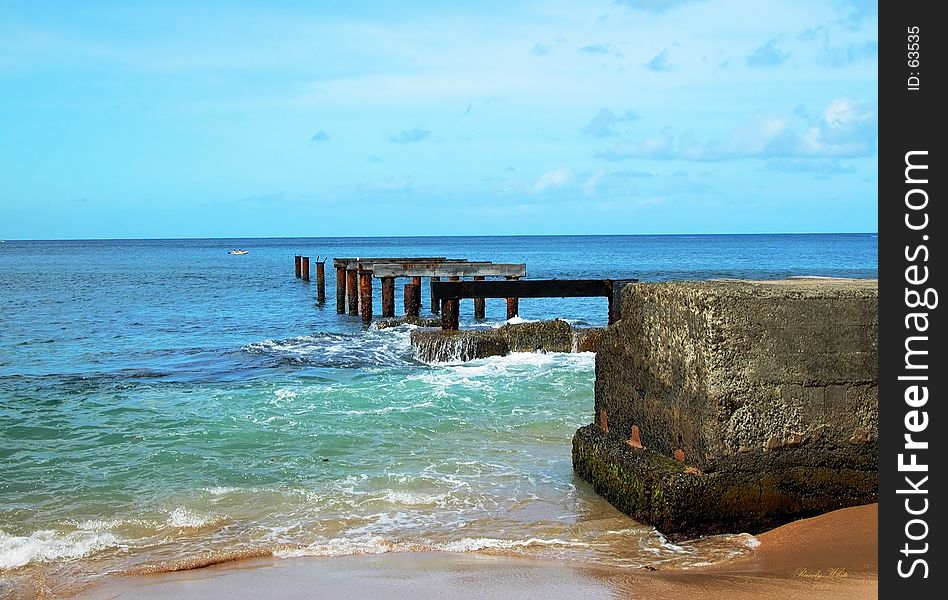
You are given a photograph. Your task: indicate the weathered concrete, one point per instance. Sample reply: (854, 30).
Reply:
(438, 345)
(769, 389)
(587, 339)
(545, 336)
(538, 336)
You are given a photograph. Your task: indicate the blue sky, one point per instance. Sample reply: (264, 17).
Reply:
(208, 119)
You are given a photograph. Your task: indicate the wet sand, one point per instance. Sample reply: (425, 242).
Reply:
(830, 556)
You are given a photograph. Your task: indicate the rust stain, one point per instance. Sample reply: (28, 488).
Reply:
(635, 439)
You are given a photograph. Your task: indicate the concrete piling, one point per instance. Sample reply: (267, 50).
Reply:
(435, 305)
(365, 296)
(320, 281)
(480, 304)
(513, 304)
(341, 290)
(296, 265)
(304, 268)
(416, 281)
(450, 318)
(388, 296)
(412, 299)
(352, 291)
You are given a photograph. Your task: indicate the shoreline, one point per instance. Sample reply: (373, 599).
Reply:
(829, 556)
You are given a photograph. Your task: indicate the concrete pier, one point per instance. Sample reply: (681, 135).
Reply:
(365, 296)
(352, 291)
(388, 296)
(304, 268)
(480, 304)
(435, 305)
(341, 290)
(320, 281)
(450, 317)
(735, 406)
(440, 345)
(411, 301)
(513, 304)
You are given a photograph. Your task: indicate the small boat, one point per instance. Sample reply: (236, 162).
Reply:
(239, 251)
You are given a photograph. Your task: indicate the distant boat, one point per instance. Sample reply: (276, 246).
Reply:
(239, 251)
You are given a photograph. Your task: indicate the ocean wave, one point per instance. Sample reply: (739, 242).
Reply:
(487, 543)
(376, 544)
(183, 518)
(373, 348)
(48, 545)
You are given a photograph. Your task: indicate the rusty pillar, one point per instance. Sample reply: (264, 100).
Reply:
(435, 305)
(352, 291)
(456, 278)
(480, 304)
(388, 296)
(320, 282)
(296, 265)
(450, 319)
(341, 290)
(365, 296)
(416, 281)
(513, 304)
(412, 299)
(304, 267)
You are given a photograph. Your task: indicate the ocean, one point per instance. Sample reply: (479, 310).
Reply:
(164, 404)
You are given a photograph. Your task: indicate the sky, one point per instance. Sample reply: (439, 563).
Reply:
(291, 118)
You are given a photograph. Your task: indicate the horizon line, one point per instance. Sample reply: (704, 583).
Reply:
(369, 237)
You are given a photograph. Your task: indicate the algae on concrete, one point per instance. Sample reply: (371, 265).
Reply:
(768, 389)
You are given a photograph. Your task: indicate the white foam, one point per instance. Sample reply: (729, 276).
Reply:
(485, 543)
(410, 499)
(47, 545)
(749, 540)
(375, 544)
(184, 518)
(389, 409)
(664, 543)
(340, 547)
(284, 394)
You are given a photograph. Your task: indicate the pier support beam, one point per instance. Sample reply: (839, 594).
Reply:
(416, 281)
(296, 265)
(435, 305)
(513, 304)
(304, 267)
(412, 299)
(320, 281)
(388, 296)
(450, 317)
(341, 290)
(480, 304)
(365, 296)
(352, 291)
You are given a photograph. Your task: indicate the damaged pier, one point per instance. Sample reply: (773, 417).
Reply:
(354, 281)
(736, 406)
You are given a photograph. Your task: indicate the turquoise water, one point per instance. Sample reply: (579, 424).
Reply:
(163, 403)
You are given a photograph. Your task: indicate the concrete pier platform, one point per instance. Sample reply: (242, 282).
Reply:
(728, 406)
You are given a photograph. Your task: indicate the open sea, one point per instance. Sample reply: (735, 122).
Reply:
(164, 404)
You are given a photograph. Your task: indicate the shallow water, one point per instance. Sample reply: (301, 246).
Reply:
(162, 402)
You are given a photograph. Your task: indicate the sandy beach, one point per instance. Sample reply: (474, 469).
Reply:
(829, 556)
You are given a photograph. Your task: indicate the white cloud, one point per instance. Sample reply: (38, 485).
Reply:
(660, 146)
(556, 178)
(847, 128)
